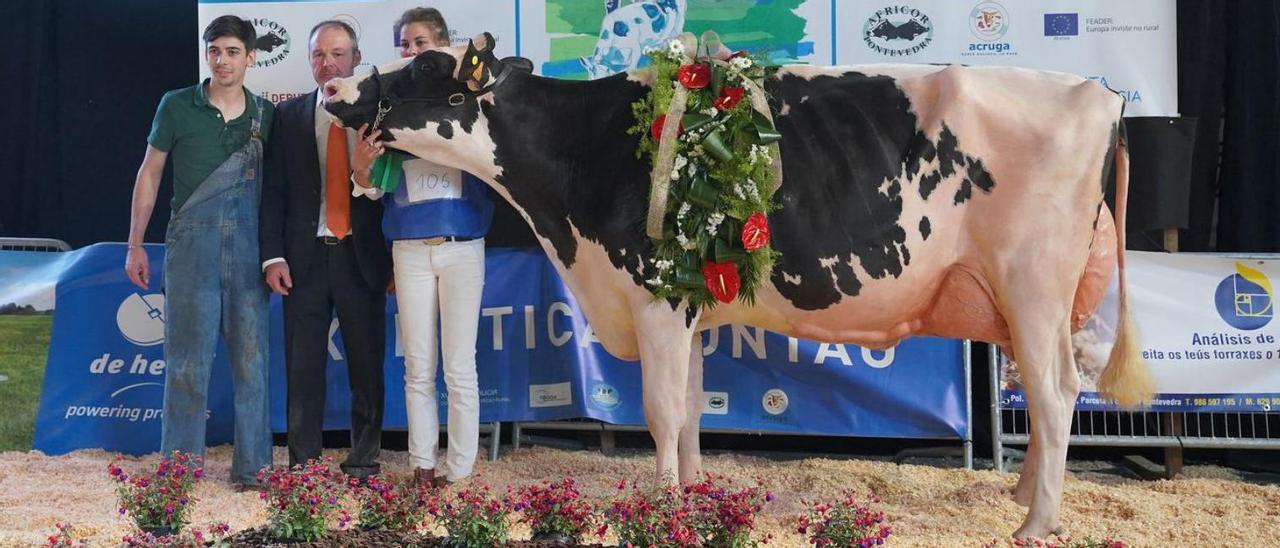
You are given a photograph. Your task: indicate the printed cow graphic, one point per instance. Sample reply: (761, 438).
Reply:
(627, 31)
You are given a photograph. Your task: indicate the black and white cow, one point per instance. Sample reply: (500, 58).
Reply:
(962, 202)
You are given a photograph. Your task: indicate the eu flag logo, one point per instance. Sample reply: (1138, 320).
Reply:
(1061, 24)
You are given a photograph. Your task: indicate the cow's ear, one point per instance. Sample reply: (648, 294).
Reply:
(477, 64)
(484, 42)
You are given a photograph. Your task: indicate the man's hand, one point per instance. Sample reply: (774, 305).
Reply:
(137, 267)
(278, 278)
(368, 149)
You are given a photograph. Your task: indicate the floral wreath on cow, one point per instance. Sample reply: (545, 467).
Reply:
(714, 172)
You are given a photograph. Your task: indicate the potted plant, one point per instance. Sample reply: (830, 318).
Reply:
(304, 500)
(159, 502)
(555, 511)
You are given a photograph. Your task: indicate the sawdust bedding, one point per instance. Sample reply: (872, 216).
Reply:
(926, 505)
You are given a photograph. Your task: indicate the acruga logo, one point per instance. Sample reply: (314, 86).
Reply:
(1244, 299)
(141, 319)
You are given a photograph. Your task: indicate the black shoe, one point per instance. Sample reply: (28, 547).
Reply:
(241, 487)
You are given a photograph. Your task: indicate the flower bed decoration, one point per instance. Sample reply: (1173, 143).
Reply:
(303, 501)
(159, 502)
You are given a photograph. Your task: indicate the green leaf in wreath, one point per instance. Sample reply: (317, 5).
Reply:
(713, 143)
(702, 193)
(689, 278)
(718, 75)
(725, 251)
(693, 121)
(704, 244)
(765, 132)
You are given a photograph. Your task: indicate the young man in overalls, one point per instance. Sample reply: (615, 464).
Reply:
(214, 132)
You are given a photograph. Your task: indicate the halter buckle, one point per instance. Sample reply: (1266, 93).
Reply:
(457, 99)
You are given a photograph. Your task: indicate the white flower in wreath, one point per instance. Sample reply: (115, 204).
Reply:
(675, 174)
(685, 242)
(655, 281)
(764, 154)
(710, 111)
(741, 63)
(675, 48)
(684, 210)
(713, 222)
(663, 265)
(737, 191)
(681, 161)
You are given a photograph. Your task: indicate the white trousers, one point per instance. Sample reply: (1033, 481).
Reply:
(438, 290)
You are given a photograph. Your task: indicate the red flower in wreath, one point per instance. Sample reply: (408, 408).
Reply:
(755, 232)
(722, 280)
(729, 97)
(695, 76)
(659, 123)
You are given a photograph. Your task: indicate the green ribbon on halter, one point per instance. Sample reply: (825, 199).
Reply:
(386, 171)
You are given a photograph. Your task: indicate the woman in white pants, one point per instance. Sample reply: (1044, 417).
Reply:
(436, 219)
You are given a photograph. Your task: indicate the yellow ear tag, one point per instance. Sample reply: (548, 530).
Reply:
(475, 59)
(478, 72)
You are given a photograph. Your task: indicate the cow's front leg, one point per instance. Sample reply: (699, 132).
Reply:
(664, 339)
(690, 448)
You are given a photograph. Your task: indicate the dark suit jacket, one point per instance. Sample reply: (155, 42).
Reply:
(290, 210)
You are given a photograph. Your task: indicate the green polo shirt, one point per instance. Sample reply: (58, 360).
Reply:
(197, 139)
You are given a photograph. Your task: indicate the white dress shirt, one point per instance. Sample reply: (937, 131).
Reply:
(322, 121)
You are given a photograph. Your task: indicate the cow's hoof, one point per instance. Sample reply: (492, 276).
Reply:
(1035, 531)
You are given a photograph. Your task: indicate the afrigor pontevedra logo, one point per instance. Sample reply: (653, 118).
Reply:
(898, 30)
(1244, 299)
(273, 42)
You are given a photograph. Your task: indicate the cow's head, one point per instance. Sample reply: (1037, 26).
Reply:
(426, 105)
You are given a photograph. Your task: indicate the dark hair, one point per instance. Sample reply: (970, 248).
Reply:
(428, 16)
(235, 27)
(336, 24)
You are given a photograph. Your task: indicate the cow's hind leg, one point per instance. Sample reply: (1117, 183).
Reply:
(664, 339)
(1022, 491)
(1042, 342)
(690, 446)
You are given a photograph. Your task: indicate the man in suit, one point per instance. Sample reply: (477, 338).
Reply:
(323, 251)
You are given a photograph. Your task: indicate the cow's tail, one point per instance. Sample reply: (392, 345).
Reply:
(1126, 378)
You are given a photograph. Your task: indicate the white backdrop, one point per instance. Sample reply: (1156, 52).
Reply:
(1129, 45)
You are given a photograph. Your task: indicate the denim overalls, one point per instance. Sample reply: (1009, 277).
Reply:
(213, 283)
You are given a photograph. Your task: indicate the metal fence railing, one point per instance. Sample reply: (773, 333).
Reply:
(33, 244)
(1183, 429)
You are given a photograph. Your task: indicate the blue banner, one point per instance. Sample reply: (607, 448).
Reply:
(537, 358)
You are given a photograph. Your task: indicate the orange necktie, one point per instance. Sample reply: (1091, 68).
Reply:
(337, 191)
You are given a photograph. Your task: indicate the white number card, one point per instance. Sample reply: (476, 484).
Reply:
(428, 181)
